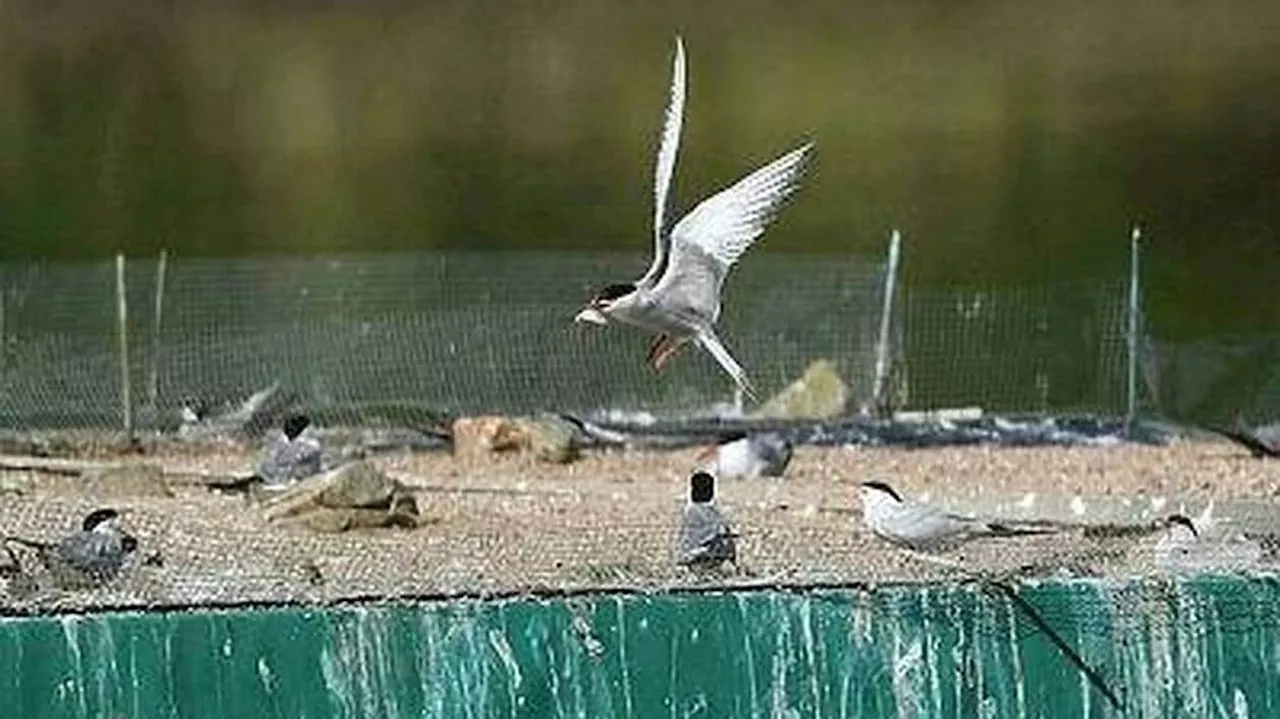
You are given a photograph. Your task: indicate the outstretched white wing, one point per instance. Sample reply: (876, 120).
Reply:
(726, 224)
(707, 242)
(668, 147)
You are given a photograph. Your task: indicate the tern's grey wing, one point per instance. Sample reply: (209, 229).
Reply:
(774, 450)
(711, 238)
(927, 524)
(689, 290)
(276, 462)
(98, 554)
(307, 456)
(668, 148)
(285, 460)
(705, 536)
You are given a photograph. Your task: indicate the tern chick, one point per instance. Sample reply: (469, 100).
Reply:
(924, 527)
(89, 558)
(763, 454)
(706, 539)
(678, 298)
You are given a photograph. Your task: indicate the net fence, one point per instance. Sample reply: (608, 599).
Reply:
(364, 340)
(470, 333)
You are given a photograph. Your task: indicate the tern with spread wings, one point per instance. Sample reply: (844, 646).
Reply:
(678, 298)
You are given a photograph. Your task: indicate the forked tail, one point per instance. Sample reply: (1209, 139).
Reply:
(707, 338)
(1021, 529)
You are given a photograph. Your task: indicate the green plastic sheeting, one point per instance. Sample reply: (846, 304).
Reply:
(1207, 647)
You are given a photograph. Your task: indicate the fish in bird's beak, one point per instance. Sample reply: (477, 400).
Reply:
(592, 315)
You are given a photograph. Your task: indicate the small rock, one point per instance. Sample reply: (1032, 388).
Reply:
(482, 435)
(819, 393)
(358, 485)
(551, 438)
(357, 495)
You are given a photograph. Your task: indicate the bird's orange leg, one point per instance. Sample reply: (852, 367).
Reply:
(670, 348)
(656, 348)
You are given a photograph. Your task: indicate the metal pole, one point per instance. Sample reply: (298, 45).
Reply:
(122, 318)
(1131, 411)
(154, 379)
(4, 338)
(886, 319)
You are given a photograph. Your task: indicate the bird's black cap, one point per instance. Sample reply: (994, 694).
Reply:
(98, 516)
(729, 437)
(702, 488)
(294, 425)
(1184, 521)
(614, 291)
(883, 488)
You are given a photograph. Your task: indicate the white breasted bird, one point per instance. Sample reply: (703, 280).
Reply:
(921, 526)
(1191, 545)
(741, 454)
(705, 537)
(88, 558)
(295, 454)
(678, 298)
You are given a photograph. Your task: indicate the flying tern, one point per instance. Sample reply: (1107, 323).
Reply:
(678, 298)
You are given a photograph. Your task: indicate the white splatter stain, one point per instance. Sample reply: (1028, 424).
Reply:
(264, 675)
(1077, 505)
(1240, 705)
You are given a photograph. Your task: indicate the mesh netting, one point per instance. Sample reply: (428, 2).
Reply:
(354, 338)
(459, 333)
(365, 341)
(490, 332)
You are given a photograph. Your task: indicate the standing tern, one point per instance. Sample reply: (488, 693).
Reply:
(678, 298)
(924, 527)
(705, 537)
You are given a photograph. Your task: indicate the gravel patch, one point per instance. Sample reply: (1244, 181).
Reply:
(508, 524)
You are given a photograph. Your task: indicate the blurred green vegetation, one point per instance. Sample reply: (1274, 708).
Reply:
(1012, 142)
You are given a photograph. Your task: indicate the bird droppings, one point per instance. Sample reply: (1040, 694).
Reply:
(1077, 506)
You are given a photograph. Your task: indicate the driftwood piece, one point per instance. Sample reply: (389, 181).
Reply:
(92, 468)
(354, 496)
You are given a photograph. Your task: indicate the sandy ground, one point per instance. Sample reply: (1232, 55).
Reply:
(510, 524)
